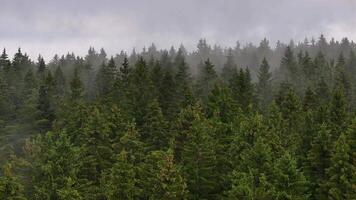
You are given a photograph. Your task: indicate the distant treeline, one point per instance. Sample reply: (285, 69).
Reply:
(250, 122)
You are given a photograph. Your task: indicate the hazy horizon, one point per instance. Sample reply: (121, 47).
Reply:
(47, 28)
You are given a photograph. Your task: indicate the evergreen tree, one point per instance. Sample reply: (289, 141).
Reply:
(154, 130)
(140, 91)
(11, 187)
(182, 80)
(338, 115)
(206, 80)
(5, 63)
(55, 168)
(106, 77)
(289, 182)
(229, 67)
(168, 182)
(264, 86)
(199, 161)
(60, 82)
(242, 88)
(341, 173)
(119, 182)
(289, 67)
(76, 86)
(45, 110)
(342, 81)
(41, 68)
(318, 161)
(221, 104)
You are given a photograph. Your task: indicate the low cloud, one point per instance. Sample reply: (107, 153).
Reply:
(50, 27)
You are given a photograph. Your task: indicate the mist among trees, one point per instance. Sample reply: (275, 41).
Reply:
(266, 121)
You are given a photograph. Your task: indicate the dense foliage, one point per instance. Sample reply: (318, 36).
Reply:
(239, 123)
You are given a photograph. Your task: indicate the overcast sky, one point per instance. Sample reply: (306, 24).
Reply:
(47, 26)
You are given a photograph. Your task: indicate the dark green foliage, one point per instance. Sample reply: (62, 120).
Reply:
(119, 182)
(199, 160)
(76, 86)
(60, 83)
(242, 88)
(166, 127)
(221, 104)
(55, 167)
(206, 80)
(264, 86)
(341, 173)
(229, 67)
(45, 109)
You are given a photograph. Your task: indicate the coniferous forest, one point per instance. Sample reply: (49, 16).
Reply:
(250, 122)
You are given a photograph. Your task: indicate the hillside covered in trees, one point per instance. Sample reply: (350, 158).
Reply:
(247, 122)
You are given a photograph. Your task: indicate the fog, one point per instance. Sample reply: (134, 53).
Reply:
(49, 27)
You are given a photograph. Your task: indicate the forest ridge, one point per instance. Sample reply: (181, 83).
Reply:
(246, 122)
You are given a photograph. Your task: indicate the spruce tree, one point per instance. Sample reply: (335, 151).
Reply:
(76, 86)
(289, 182)
(60, 83)
(140, 91)
(264, 86)
(199, 160)
(168, 182)
(55, 168)
(242, 88)
(229, 67)
(206, 80)
(5, 63)
(119, 182)
(221, 104)
(318, 160)
(341, 173)
(41, 68)
(155, 129)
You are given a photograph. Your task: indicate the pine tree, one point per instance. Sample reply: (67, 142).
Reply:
(11, 187)
(41, 68)
(308, 69)
(242, 88)
(55, 168)
(119, 182)
(182, 79)
(289, 67)
(5, 63)
(338, 115)
(229, 67)
(341, 173)
(45, 110)
(97, 150)
(221, 104)
(140, 91)
(76, 86)
(322, 91)
(250, 176)
(289, 182)
(155, 128)
(291, 112)
(106, 78)
(169, 182)
(206, 80)
(199, 161)
(342, 81)
(167, 95)
(264, 86)
(318, 160)
(60, 83)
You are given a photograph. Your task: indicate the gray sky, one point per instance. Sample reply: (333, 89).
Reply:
(49, 26)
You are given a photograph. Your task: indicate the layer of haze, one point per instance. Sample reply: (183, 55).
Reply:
(47, 27)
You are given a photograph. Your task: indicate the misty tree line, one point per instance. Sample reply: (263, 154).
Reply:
(250, 122)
